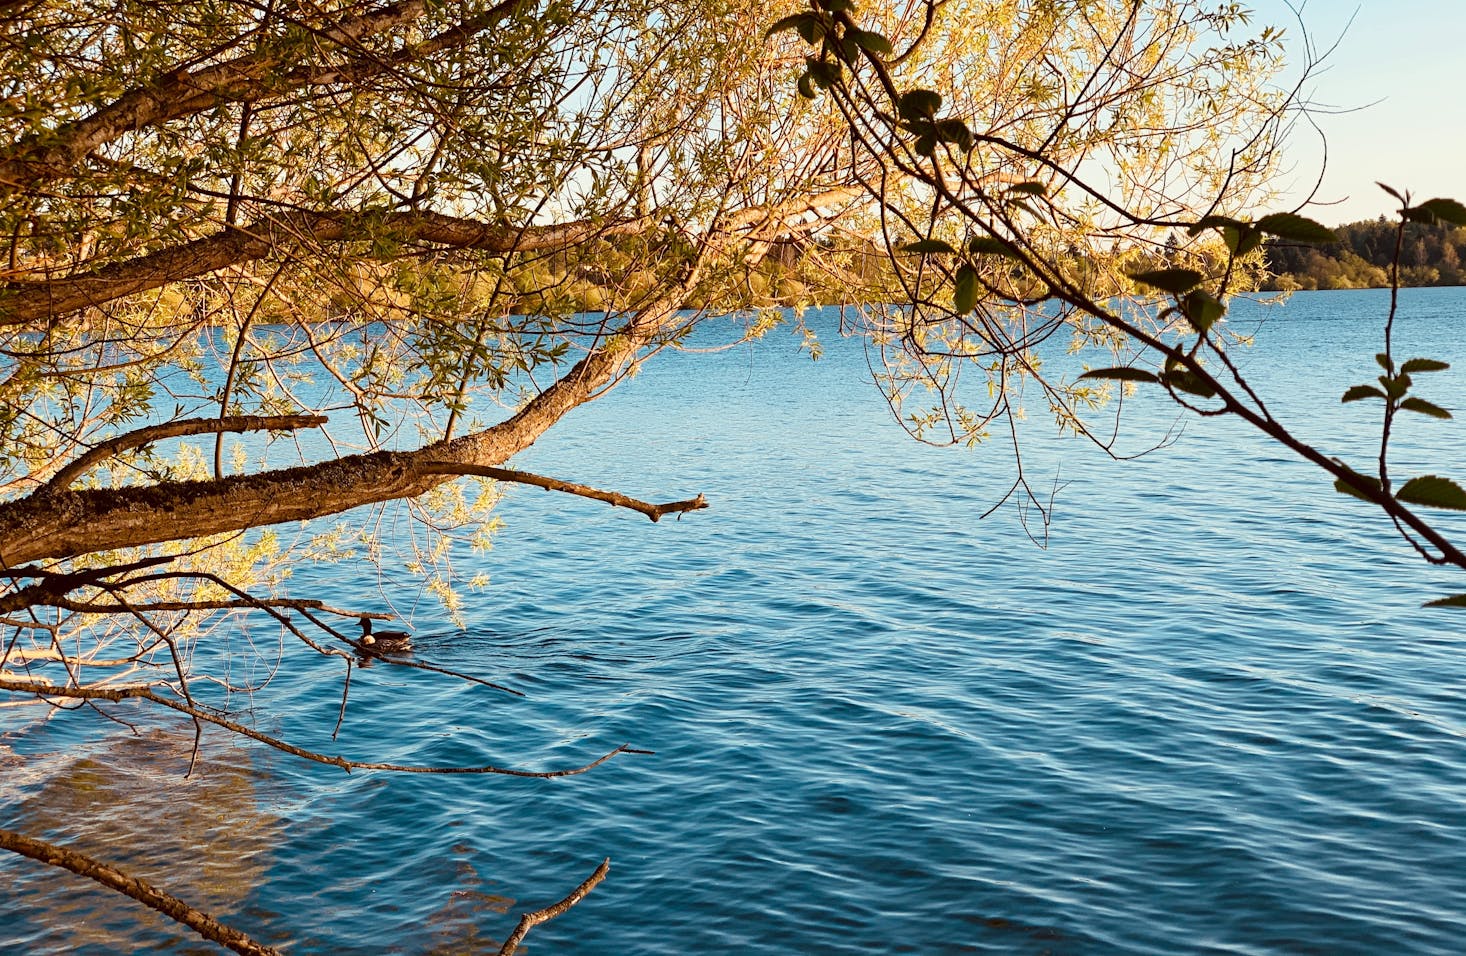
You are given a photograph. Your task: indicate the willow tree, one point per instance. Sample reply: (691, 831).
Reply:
(356, 230)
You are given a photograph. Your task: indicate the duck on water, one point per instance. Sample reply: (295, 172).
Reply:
(384, 642)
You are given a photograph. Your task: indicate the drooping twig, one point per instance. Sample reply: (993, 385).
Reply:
(529, 921)
(114, 879)
(188, 426)
(613, 498)
(42, 689)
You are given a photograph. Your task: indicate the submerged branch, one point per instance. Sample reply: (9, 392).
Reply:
(114, 879)
(529, 921)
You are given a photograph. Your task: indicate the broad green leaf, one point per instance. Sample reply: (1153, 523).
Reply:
(928, 245)
(1295, 228)
(1214, 222)
(806, 86)
(1359, 392)
(1395, 385)
(870, 42)
(1438, 210)
(1384, 361)
(955, 131)
(925, 145)
(1185, 380)
(964, 291)
(825, 73)
(1175, 281)
(1122, 374)
(1344, 488)
(918, 104)
(1030, 188)
(989, 246)
(1433, 491)
(1202, 310)
(1414, 365)
(1455, 600)
(1423, 407)
(791, 22)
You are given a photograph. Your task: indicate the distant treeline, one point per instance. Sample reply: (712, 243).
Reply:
(1431, 255)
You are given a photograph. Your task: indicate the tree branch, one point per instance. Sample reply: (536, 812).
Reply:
(529, 921)
(613, 498)
(23, 302)
(188, 426)
(114, 879)
(41, 689)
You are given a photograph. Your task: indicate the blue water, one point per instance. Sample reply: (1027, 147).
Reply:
(1210, 717)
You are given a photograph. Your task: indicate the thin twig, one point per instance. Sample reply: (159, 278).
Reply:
(614, 498)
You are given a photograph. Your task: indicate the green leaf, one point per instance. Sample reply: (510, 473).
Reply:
(1185, 380)
(1455, 600)
(1438, 210)
(1385, 362)
(1295, 228)
(1414, 365)
(792, 22)
(825, 73)
(928, 245)
(925, 145)
(1122, 374)
(806, 86)
(1030, 188)
(955, 131)
(1395, 385)
(1202, 310)
(989, 246)
(1359, 392)
(1215, 222)
(1241, 241)
(1433, 491)
(964, 291)
(1344, 488)
(870, 42)
(918, 104)
(1423, 407)
(1175, 281)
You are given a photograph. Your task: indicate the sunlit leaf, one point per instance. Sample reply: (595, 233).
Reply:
(1295, 228)
(1420, 405)
(1175, 281)
(1359, 392)
(1433, 491)
(1122, 374)
(927, 246)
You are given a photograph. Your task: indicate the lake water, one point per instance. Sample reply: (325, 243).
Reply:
(1211, 717)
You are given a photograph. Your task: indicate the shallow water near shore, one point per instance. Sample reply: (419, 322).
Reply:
(1210, 717)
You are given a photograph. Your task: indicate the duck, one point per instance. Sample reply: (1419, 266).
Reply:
(384, 642)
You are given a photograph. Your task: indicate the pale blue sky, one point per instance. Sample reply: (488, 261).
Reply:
(1403, 64)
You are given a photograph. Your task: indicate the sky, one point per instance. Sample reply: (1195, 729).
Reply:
(1400, 69)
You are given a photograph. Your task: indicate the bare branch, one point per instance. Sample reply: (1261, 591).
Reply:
(41, 689)
(140, 890)
(529, 921)
(188, 426)
(616, 499)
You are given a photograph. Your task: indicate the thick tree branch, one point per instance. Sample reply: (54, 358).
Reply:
(613, 498)
(114, 879)
(188, 426)
(32, 301)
